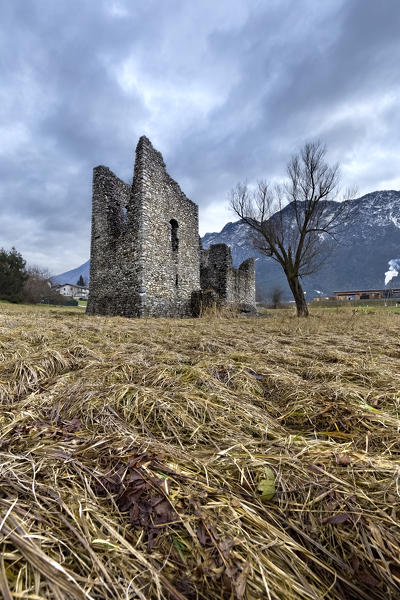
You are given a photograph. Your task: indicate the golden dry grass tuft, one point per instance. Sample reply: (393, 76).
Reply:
(131, 452)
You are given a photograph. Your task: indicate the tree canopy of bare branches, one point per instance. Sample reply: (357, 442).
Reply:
(294, 222)
(37, 285)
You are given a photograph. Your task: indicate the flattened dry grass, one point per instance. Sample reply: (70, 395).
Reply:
(131, 452)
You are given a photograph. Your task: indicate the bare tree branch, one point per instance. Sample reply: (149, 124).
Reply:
(295, 223)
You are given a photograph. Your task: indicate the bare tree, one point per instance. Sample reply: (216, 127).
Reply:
(293, 223)
(37, 286)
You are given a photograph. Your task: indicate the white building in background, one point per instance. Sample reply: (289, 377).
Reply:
(72, 291)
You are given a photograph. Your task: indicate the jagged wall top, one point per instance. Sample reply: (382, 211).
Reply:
(148, 159)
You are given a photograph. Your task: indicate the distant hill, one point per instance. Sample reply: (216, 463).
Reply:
(73, 275)
(366, 244)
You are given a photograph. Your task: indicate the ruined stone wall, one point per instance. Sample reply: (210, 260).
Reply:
(145, 254)
(216, 271)
(110, 280)
(144, 246)
(170, 253)
(244, 286)
(234, 287)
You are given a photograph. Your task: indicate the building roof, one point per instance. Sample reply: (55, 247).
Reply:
(78, 287)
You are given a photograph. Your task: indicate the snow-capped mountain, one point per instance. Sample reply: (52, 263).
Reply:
(379, 209)
(365, 246)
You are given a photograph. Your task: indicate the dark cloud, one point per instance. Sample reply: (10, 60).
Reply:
(225, 90)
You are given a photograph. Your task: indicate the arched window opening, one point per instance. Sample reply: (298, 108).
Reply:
(177, 280)
(174, 235)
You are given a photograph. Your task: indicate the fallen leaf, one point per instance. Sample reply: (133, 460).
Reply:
(343, 460)
(258, 376)
(201, 535)
(73, 426)
(266, 490)
(240, 583)
(226, 546)
(337, 519)
(367, 578)
(315, 469)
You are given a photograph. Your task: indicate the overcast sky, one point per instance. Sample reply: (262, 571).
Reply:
(225, 89)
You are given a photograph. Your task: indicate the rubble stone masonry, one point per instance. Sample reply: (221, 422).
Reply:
(234, 287)
(145, 253)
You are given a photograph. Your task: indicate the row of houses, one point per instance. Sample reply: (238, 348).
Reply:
(80, 292)
(382, 294)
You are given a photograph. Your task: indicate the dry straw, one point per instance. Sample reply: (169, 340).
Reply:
(131, 453)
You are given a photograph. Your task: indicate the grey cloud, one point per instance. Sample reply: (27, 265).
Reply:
(300, 80)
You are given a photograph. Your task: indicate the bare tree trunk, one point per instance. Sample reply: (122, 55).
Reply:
(299, 297)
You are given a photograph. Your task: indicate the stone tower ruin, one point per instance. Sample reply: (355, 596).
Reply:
(145, 255)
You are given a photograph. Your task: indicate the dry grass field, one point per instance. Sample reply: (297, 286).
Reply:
(133, 454)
